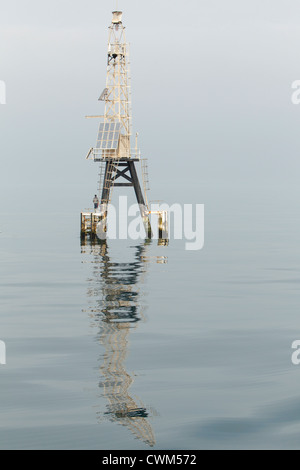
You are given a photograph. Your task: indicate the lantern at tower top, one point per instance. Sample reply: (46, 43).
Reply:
(117, 17)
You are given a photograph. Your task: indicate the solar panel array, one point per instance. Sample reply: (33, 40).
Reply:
(108, 136)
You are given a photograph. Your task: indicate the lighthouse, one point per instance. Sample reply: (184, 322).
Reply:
(116, 150)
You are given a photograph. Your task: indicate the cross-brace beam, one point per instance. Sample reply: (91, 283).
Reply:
(129, 173)
(122, 173)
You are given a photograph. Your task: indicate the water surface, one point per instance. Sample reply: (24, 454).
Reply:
(131, 345)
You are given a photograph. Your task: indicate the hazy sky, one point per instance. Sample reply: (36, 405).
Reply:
(211, 88)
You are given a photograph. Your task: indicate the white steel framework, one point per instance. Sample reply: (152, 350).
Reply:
(113, 148)
(117, 93)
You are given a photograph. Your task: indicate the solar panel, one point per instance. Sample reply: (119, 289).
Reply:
(108, 136)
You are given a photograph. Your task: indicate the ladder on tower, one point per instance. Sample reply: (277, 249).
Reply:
(145, 177)
(101, 176)
(108, 180)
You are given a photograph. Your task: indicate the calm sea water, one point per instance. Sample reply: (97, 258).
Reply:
(131, 345)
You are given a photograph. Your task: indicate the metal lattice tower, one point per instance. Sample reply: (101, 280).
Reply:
(113, 147)
(118, 95)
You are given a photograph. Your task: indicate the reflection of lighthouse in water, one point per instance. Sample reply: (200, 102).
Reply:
(118, 310)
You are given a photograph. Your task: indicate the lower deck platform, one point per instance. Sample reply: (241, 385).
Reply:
(88, 223)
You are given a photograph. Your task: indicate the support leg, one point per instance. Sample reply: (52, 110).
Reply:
(140, 199)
